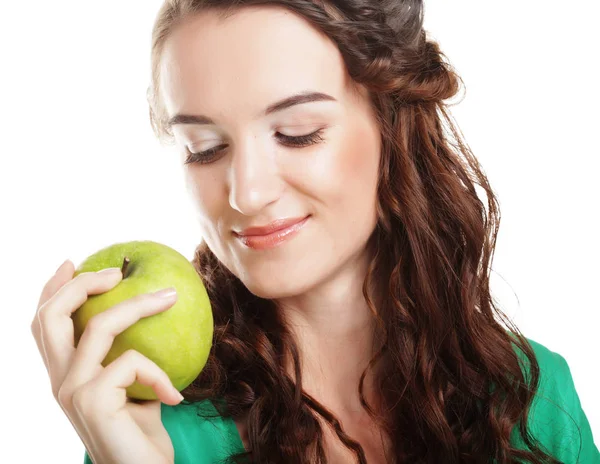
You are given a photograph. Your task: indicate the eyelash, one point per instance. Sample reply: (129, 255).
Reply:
(301, 141)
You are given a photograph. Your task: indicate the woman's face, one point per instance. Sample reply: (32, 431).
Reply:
(226, 74)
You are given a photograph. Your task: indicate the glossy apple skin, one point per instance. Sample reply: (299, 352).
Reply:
(179, 339)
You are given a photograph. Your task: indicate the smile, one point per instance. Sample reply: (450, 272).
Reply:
(271, 240)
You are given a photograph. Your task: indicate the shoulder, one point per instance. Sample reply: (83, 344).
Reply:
(199, 434)
(556, 417)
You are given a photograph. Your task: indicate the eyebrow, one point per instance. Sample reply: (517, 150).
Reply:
(305, 97)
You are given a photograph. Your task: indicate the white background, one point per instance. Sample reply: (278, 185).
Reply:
(81, 169)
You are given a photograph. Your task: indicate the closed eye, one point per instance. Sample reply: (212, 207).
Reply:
(300, 141)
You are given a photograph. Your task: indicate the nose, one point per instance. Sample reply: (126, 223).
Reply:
(254, 178)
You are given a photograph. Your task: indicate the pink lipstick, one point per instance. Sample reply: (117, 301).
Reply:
(271, 235)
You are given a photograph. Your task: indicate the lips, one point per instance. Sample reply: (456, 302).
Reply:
(274, 226)
(271, 235)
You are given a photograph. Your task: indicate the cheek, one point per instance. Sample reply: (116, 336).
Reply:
(204, 189)
(356, 171)
(341, 171)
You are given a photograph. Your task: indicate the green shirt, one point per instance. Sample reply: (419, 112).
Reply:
(555, 416)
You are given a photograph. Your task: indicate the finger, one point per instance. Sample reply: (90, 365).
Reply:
(101, 330)
(107, 392)
(56, 325)
(62, 275)
(134, 366)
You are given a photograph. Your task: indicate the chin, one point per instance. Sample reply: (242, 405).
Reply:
(271, 291)
(270, 287)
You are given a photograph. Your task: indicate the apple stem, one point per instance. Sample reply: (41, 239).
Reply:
(124, 267)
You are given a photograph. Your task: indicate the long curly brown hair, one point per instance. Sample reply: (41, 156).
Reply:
(440, 345)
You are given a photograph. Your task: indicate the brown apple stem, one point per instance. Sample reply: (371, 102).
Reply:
(124, 267)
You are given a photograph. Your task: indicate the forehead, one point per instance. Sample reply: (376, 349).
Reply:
(246, 61)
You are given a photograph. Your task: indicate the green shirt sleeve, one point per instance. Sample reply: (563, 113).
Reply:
(556, 417)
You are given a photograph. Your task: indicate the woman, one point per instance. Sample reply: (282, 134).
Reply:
(346, 254)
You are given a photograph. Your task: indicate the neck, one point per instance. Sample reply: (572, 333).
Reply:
(333, 328)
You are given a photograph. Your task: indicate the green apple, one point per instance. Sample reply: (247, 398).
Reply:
(179, 339)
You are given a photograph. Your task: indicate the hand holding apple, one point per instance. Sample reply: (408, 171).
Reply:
(179, 339)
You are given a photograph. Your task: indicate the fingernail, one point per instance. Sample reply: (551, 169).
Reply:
(110, 270)
(166, 293)
(179, 395)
